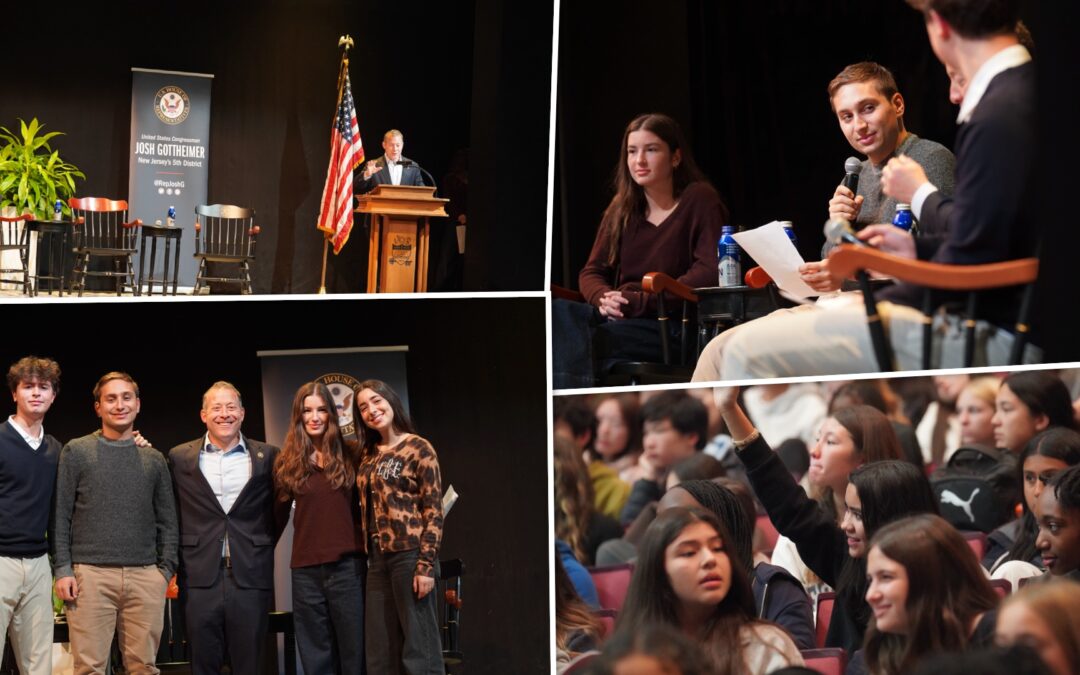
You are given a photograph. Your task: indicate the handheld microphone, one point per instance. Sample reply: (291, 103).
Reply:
(851, 174)
(838, 231)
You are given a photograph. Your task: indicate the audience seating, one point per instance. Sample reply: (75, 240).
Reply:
(612, 583)
(977, 542)
(450, 573)
(823, 616)
(580, 663)
(849, 260)
(828, 661)
(607, 620)
(769, 535)
(1002, 586)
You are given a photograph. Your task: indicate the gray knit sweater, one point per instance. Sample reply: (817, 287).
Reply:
(114, 506)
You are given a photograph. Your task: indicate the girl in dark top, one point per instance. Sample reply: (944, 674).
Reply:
(874, 494)
(686, 578)
(1059, 525)
(401, 501)
(664, 217)
(317, 470)
(928, 594)
(1027, 403)
(778, 596)
(1049, 452)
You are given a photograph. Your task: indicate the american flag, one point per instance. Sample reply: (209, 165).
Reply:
(346, 153)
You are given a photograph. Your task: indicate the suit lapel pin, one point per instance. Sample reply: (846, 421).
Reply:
(259, 455)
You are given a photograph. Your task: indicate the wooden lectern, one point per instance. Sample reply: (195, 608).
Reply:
(398, 248)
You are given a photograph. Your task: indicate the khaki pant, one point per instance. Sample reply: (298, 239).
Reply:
(809, 340)
(26, 612)
(129, 600)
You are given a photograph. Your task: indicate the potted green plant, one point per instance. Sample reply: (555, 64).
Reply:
(32, 175)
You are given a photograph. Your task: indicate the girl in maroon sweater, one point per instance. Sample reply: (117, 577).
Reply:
(664, 217)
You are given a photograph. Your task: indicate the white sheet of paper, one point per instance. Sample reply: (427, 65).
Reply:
(770, 247)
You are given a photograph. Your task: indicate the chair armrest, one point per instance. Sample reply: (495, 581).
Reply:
(849, 259)
(658, 282)
(255, 229)
(757, 277)
(135, 223)
(16, 219)
(563, 293)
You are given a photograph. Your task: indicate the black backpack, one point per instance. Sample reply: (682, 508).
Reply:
(978, 488)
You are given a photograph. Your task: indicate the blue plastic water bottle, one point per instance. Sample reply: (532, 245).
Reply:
(58, 210)
(903, 218)
(170, 219)
(789, 230)
(727, 250)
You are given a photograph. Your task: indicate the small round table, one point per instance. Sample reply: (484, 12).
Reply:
(52, 232)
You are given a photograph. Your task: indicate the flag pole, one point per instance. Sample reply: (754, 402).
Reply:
(345, 42)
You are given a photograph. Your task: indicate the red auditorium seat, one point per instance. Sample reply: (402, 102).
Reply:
(825, 603)
(977, 542)
(607, 620)
(769, 535)
(611, 584)
(1002, 586)
(831, 661)
(580, 663)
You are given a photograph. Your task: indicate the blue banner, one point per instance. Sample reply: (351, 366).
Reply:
(170, 153)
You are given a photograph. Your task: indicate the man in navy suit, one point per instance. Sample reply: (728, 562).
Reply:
(392, 168)
(229, 525)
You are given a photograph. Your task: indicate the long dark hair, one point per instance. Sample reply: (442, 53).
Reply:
(573, 498)
(873, 436)
(888, 490)
(1044, 394)
(651, 599)
(293, 464)
(630, 412)
(368, 437)
(729, 510)
(1057, 443)
(629, 196)
(947, 590)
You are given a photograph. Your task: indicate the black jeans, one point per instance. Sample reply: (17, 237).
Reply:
(402, 633)
(328, 609)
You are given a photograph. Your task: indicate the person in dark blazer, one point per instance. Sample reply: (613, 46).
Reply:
(229, 525)
(392, 168)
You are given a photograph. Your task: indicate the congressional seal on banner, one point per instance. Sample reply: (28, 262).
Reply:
(172, 104)
(342, 387)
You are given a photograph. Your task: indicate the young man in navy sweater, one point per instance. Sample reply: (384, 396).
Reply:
(28, 460)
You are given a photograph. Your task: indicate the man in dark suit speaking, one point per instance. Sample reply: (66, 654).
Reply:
(229, 525)
(392, 168)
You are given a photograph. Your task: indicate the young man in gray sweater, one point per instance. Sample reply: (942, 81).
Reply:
(115, 535)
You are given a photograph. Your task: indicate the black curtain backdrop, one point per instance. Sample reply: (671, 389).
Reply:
(424, 68)
(747, 82)
(477, 389)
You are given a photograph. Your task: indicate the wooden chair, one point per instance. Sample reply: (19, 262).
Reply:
(101, 230)
(14, 237)
(850, 260)
(225, 235)
(612, 583)
(450, 573)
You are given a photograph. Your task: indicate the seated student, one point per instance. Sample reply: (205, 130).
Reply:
(574, 419)
(928, 594)
(987, 220)
(577, 629)
(675, 427)
(872, 494)
(1048, 453)
(617, 443)
(1013, 660)
(1028, 402)
(975, 408)
(1059, 525)
(1045, 617)
(778, 596)
(685, 578)
(870, 109)
(872, 393)
(664, 217)
(579, 576)
(576, 521)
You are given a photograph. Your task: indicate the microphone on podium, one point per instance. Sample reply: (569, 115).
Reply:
(851, 173)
